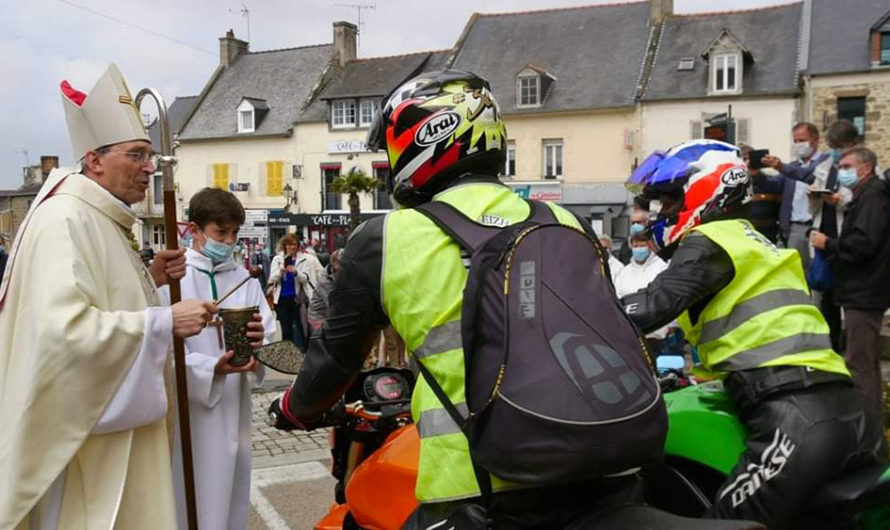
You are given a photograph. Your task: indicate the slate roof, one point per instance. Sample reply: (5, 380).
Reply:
(284, 78)
(377, 76)
(594, 52)
(839, 35)
(770, 35)
(177, 112)
(371, 77)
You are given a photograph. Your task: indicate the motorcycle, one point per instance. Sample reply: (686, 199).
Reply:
(375, 450)
(704, 441)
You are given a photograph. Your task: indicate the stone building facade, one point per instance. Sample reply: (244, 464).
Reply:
(874, 90)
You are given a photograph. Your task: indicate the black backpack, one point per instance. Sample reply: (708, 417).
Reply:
(559, 385)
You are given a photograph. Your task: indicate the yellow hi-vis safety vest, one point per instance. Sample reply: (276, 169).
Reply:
(765, 316)
(423, 281)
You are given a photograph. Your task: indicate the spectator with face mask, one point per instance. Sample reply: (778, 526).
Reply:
(809, 165)
(860, 258)
(639, 220)
(644, 266)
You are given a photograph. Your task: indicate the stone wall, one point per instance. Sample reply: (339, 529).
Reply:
(877, 112)
(12, 213)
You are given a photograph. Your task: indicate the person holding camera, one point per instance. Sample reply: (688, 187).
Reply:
(810, 164)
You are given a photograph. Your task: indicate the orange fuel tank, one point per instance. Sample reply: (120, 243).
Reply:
(380, 492)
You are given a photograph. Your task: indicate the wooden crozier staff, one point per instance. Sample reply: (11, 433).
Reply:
(167, 162)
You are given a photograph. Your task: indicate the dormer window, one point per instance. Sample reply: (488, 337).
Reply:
(885, 48)
(726, 58)
(528, 91)
(725, 73)
(245, 118)
(532, 84)
(251, 112)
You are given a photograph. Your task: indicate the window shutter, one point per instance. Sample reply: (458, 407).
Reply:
(741, 134)
(221, 175)
(274, 178)
(695, 129)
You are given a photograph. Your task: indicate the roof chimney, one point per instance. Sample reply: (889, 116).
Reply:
(658, 9)
(344, 41)
(230, 48)
(47, 164)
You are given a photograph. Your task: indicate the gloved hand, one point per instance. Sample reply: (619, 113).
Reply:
(276, 418)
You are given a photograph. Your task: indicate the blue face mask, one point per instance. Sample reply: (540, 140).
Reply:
(847, 177)
(637, 228)
(640, 254)
(217, 252)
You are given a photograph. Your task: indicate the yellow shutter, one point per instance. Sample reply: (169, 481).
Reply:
(275, 178)
(221, 176)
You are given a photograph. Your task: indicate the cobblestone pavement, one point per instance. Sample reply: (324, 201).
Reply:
(272, 447)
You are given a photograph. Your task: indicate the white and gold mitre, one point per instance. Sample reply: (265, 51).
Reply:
(106, 116)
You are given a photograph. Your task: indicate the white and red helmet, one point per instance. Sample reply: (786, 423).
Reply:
(708, 177)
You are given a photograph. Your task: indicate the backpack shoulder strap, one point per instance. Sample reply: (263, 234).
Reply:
(464, 231)
(540, 213)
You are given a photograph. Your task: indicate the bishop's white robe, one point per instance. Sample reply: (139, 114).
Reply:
(219, 405)
(83, 441)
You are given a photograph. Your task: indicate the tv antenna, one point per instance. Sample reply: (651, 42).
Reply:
(246, 14)
(359, 8)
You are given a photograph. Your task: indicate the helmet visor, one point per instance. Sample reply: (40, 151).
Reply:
(639, 179)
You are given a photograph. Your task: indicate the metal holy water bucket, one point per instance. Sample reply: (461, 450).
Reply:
(235, 322)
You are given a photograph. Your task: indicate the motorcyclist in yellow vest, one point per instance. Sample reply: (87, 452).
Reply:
(746, 306)
(446, 141)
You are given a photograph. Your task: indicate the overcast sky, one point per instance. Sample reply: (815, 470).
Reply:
(172, 45)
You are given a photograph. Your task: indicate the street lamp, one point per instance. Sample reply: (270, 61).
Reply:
(289, 196)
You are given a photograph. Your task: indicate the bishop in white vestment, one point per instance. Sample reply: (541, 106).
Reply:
(84, 341)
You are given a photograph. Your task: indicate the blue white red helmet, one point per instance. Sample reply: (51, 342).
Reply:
(707, 176)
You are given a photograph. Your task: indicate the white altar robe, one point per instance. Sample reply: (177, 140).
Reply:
(219, 405)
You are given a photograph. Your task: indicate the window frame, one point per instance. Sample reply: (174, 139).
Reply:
(246, 109)
(884, 48)
(537, 90)
(847, 114)
(720, 70)
(557, 146)
(361, 112)
(336, 198)
(157, 181)
(158, 236)
(508, 160)
(381, 172)
(334, 114)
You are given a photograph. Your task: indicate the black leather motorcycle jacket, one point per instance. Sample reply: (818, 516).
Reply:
(698, 270)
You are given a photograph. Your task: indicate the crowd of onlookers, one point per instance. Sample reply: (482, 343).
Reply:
(831, 206)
